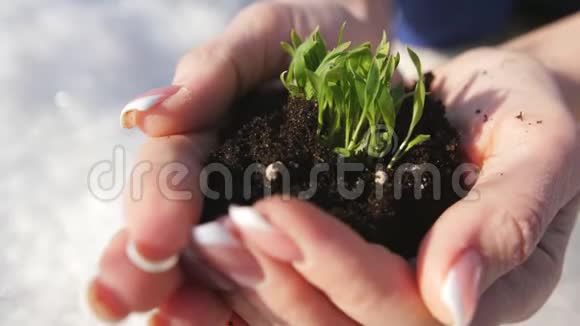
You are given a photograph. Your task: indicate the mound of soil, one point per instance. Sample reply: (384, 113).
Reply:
(271, 127)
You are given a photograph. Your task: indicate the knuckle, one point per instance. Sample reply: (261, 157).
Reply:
(526, 227)
(209, 52)
(271, 14)
(554, 258)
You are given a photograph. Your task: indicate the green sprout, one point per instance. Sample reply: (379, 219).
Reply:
(357, 103)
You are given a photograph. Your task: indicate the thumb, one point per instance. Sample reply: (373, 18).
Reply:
(487, 234)
(209, 77)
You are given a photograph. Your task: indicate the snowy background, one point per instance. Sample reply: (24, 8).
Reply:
(66, 68)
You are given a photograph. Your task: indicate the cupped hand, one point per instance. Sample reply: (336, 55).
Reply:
(138, 270)
(514, 227)
(494, 257)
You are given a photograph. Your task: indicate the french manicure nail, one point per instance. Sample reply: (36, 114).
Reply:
(247, 217)
(460, 290)
(269, 239)
(226, 254)
(143, 103)
(104, 303)
(214, 234)
(148, 265)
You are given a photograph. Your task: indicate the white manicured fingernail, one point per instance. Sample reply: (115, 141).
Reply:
(85, 306)
(143, 103)
(460, 291)
(214, 234)
(104, 303)
(248, 218)
(147, 265)
(226, 254)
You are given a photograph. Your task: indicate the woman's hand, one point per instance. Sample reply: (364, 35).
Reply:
(164, 203)
(527, 195)
(493, 257)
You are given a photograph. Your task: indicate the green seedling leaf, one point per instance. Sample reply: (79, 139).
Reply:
(387, 110)
(418, 105)
(390, 66)
(364, 143)
(341, 48)
(288, 48)
(342, 151)
(314, 87)
(420, 139)
(382, 51)
(372, 85)
(416, 62)
(352, 87)
(361, 49)
(299, 71)
(286, 81)
(359, 88)
(296, 40)
(341, 33)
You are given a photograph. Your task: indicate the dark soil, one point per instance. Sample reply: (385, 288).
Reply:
(271, 127)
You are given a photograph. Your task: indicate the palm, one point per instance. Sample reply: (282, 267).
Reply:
(499, 102)
(515, 126)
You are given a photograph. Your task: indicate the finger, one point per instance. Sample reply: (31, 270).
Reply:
(192, 305)
(248, 53)
(365, 281)
(198, 270)
(273, 287)
(482, 237)
(519, 294)
(162, 200)
(209, 77)
(476, 241)
(121, 288)
(284, 291)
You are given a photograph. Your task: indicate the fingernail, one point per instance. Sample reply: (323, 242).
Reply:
(258, 230)
(105, 304)
(148, 265)
(226, 254)
(144, 102)
(460, 291)
(248, 218)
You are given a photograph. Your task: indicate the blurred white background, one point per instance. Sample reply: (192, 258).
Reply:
(66, 69)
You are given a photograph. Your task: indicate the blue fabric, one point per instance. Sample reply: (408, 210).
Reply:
(444, 23)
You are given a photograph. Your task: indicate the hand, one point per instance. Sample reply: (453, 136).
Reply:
(493, 257)
(180, 121)
(526, 141)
